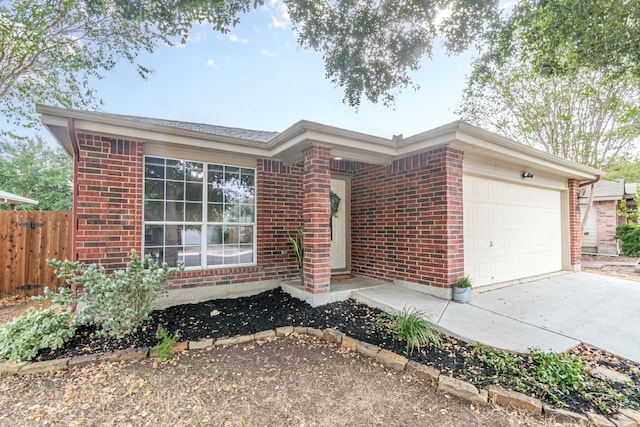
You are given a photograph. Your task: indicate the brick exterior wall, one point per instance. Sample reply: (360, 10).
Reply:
(607, 223)
(575, 234)
(317, 214)
(108, 189)
(407, 219)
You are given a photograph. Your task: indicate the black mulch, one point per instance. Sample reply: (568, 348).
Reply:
(272, 309)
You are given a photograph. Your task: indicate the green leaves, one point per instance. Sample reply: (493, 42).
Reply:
(24, 336)
(562, 37)
(589, 117)
(410, 325)
(164, 349)
(371, 47)
(117, 303)
(33, 169)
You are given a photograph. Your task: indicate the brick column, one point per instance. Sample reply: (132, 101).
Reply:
(454, 214)
(316, 213)
(575, 226)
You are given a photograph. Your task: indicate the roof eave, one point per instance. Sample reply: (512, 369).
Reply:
(55, 119)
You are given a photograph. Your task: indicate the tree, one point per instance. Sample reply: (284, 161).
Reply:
(33, 169)
(590, 117)
(49, 49)
(371, 46)
(562, 37)
(625, 167)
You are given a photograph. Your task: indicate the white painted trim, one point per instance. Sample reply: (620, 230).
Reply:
(289, 144)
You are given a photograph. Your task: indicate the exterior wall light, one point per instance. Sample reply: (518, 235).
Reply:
(526, 175)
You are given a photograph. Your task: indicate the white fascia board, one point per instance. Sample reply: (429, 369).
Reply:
(90, 122)
(290, 144)
(539, 158)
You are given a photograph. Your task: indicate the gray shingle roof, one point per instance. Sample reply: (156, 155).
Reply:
(611, 190)
(247, 134)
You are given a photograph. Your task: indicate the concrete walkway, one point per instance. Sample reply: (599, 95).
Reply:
(553, 314)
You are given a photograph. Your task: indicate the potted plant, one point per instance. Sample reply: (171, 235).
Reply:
(298, 249)
(462, 290)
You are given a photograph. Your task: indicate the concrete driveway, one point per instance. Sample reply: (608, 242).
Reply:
(553, 314)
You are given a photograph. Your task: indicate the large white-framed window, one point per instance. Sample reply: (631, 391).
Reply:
(200, 213)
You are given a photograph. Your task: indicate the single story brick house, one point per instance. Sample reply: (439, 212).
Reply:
(420, 211)
(603, 219)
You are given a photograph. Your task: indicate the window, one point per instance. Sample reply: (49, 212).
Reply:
(202, 214)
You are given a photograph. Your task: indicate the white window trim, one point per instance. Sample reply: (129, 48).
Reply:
(205, 223)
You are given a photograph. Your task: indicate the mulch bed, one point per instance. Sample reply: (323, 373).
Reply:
(272, 309)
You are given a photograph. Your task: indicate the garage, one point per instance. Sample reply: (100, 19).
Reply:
(511, 230)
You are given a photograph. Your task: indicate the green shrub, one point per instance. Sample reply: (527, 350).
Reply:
(164, 349)
(51, 327)
(117, 303)
(411, 326)
(560, 373)
(630, 236)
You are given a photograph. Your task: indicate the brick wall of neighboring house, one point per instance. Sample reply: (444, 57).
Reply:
(607, 215)
(109, 194)
(575, 230)
(407, 219)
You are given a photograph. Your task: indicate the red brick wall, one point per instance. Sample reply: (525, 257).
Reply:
(109, 207)
(607, 215)
(407, 219)
(109, 193)
(574, 223)
(317, 213)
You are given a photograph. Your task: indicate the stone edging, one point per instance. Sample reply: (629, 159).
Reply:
(390, 360)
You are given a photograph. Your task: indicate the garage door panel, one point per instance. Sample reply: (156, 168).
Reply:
(511, 230)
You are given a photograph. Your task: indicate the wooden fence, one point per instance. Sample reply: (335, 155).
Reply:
(27, 241)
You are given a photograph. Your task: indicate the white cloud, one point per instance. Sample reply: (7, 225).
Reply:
(212, 64)
(279, 14)
(236, 39)
(268, 52)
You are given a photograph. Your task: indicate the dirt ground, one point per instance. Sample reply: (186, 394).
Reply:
(297, 380)
(615, 266)
(292, 381)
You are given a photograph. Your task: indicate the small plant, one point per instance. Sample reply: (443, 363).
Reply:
(118, 303)
(463, 282)
(559, 373)
(298, 246)
(500, 361)
(164, 349)
(410, 325)
(51, 327)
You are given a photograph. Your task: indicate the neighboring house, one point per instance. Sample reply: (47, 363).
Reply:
(600, 227)
(421, 211)
(13, 199)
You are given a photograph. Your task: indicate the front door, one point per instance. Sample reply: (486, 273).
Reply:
(339, 227)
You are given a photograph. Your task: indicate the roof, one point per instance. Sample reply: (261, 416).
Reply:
(248, 134)
(611, 190)
(14, 199)
(289, 145)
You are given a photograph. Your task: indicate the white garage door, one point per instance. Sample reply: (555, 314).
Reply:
(511, 231)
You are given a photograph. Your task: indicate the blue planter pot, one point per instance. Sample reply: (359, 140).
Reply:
(462, 295)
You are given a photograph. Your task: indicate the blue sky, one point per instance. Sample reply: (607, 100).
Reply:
(257, 77)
